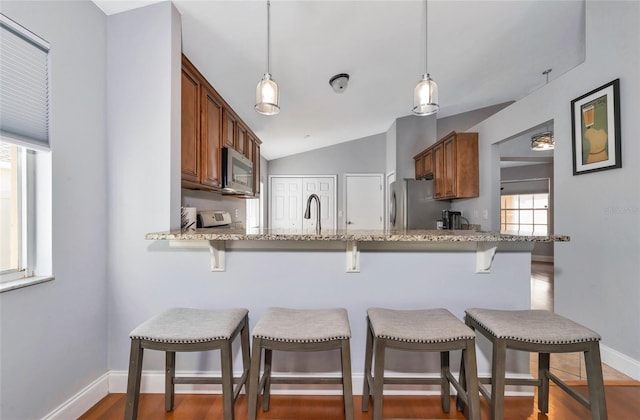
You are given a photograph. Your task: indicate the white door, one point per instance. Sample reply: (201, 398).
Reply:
(364, 203)
(286, 203)
(325, 189)
(288, 199)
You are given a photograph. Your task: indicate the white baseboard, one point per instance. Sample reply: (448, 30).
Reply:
(620, 362)
(77, 405)
(542, 258)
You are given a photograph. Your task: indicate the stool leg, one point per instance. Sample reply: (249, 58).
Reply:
(347, 386)
(246, 356)
(169, 374)
(133, 383)
(498, 379)
(368, 358)
(378, 378)
(471, 380)
(543, 379)
(266, 393)
(462, 380)
(227, 380)
(254, 379)
(595, 381)
(445, 391)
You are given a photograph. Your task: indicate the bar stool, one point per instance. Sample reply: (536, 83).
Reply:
(426, 330)
(185, 329)
(542, 332)
(300, 330)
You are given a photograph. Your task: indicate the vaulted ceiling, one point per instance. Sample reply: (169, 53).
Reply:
(480, 53)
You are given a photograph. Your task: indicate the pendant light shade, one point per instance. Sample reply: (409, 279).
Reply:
(267, 92)
(267, 96)
(425, 95)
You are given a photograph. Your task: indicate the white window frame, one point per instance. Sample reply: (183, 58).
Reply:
(35, 247)
(503, 211)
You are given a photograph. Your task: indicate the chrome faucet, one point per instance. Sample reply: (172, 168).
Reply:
(307, 213)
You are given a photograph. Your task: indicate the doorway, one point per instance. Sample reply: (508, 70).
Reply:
(363, 201)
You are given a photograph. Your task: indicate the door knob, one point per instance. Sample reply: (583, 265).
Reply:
(349, 222)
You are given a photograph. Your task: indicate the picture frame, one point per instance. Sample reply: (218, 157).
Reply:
(595, 130)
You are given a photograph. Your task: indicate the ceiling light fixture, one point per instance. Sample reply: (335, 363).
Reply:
(267, 93)
(339, 82)
(543, 141)
(425, 95)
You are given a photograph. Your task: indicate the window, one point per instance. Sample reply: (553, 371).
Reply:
(25, 252)
(524, 214)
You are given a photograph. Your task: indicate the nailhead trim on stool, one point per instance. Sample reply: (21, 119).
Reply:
(286, 329)
(186, 330)
(541, 332)
(427, 330)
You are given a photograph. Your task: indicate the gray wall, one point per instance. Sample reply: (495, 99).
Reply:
(462, 122)
(54, 335)
(597, 279)
(366, 155)
(413, 134)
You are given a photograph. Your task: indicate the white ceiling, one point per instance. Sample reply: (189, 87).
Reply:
(481, 53)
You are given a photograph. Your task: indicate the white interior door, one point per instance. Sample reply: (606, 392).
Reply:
(288, 200)
(325, 189)
(364, 203)
(286, 203)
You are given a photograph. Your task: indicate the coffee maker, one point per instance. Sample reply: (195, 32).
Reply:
(451, 219)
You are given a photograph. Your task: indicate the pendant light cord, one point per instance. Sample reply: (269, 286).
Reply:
(268, 33)
(426, 36)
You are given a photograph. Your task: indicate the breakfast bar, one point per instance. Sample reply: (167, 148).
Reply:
(260, 268)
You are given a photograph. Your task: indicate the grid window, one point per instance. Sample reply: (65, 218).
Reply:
(524, 214)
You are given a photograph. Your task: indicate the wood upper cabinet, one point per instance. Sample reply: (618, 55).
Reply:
(190, 125)
(211, 140)
(229, 128)
(208, 125)
(452, 162)
(438, 170)
(241, 140)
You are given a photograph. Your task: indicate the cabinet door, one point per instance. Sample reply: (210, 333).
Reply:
(229, 127)
(427, 164)
(450, 167)
(190, 126)
(211, 133)
(419, 167)
(256, 168)
(438, 171)
(241, 140)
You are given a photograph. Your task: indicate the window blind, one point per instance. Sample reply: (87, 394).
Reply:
(24, 86)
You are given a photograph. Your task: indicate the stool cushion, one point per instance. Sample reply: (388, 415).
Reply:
(532, 326)
(303, 325)
(187, 325)
(418, 326)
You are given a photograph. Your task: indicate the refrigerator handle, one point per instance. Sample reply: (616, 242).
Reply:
(393, 209)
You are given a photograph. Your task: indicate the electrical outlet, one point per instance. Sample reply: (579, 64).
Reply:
(485, 214)
(475, 213)
(237, 213)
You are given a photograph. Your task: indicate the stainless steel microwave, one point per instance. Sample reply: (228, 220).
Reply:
(237, 172)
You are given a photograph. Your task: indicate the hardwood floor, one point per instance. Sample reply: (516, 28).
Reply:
(622, 404)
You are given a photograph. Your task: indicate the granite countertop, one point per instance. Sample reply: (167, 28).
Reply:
(221, 234)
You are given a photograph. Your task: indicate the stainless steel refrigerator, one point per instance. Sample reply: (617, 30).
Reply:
(412, 205)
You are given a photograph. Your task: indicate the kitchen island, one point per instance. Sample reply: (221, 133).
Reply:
(258, 269)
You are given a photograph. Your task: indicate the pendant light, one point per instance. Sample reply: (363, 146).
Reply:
(267, 93)
(543, 141)
(425, 95)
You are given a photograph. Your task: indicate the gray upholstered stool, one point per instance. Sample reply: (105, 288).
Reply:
(300, 330)
(426, 330)
(543, 332)
(184, 329)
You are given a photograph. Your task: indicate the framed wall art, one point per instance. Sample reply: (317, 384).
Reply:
(595, 129)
